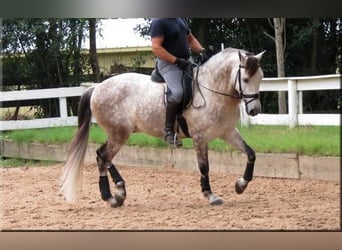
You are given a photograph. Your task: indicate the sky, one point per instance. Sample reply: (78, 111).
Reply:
(119, 33)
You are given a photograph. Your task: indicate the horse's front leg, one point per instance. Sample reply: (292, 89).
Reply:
(236, 141)
(203, 165)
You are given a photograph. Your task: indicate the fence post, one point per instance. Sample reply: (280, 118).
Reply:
(293, 102)
(300, 102)
(222, 46)
(244, 118)
(63, 107)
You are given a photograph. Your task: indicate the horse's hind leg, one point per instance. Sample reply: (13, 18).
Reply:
(105, 153)
(236, 140)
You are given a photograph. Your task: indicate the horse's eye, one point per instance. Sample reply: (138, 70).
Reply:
(245, 80)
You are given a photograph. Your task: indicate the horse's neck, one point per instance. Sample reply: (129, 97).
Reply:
(216, 80)
(219, 75)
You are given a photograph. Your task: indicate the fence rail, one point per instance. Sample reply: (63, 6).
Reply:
(293, 85)
(61, 93)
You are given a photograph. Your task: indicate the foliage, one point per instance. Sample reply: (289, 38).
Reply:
(49, 50)
(43, 53)
(138, 61)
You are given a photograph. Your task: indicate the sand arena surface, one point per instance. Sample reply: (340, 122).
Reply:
(166, 198)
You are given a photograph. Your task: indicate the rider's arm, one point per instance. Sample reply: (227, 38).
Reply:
(159, 51)
(194, 43)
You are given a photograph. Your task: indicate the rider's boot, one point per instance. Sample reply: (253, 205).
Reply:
(170, 136)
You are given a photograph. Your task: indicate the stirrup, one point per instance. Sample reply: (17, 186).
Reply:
(172, 140)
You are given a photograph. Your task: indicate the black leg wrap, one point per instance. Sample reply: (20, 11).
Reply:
(104, 188)
(205, 184)
(248, 175)
(114, 173)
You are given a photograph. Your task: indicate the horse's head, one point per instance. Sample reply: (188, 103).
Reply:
(248, 80)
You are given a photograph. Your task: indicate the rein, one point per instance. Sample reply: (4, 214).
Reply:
(241, 95)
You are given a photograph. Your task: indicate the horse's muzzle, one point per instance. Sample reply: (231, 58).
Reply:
(253, 107)
(253, 112)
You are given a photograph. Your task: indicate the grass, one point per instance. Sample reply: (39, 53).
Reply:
(14, 162)
(308, 140)
(48, 135)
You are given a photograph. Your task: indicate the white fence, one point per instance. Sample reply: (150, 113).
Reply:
(60, 93)
(293, 85)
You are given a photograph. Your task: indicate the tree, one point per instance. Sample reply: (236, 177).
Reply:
(42, 53)
(314, 48)
(279, 28)
(279, 31)
(92, 50)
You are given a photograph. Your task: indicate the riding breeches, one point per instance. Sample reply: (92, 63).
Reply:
(173, 78)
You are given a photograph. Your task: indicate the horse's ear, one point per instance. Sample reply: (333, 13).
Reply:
(259, 56)
(242, 57)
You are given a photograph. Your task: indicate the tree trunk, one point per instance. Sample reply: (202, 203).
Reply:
(202, 31)
(250, 34)
(315, 31)
(92, 50)
(279, 26)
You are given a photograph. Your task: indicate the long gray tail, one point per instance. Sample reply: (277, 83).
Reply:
(72, 172)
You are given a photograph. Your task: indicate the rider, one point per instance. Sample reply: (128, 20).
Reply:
(171, 43)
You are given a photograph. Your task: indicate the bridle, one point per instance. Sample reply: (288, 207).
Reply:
(240, 95)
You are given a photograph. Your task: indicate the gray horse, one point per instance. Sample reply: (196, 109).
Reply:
(131, 102)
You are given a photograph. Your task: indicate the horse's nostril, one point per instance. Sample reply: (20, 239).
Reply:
(253, 112)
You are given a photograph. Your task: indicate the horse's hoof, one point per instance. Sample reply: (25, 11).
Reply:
(119, 198)
(116, 201)
(215, 200)
(112, 202)
(240, 185)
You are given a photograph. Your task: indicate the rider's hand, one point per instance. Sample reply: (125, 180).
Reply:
(203, 57)
(182, 63)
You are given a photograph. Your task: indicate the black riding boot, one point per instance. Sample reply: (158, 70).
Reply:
(170, 137)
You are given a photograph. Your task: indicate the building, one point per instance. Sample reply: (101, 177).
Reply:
(114, 60)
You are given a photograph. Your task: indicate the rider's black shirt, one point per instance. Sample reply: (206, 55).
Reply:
(175, 33)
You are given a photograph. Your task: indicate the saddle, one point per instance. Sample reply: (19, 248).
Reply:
(187, 85)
